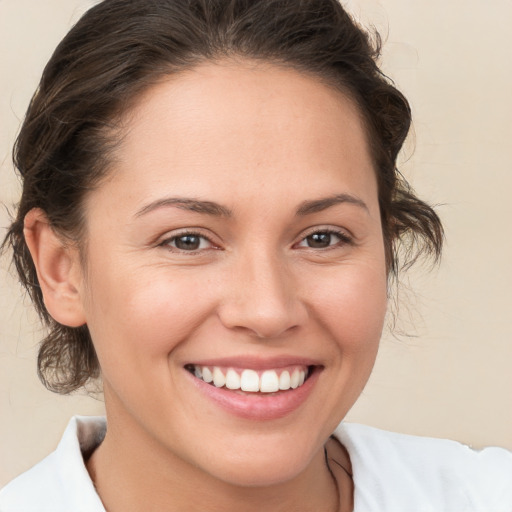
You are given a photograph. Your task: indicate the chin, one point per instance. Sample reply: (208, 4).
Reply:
(261, 473)
(262, 462)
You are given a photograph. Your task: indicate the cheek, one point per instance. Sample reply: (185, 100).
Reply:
(140, 317)
(352, 306)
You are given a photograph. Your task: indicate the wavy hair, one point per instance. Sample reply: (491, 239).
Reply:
(118, 49)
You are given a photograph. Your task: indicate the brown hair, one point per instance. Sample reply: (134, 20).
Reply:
(120, 47)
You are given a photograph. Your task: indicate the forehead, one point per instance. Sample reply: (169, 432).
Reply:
(243, 124)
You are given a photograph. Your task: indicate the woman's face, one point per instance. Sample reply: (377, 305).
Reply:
(238, 237)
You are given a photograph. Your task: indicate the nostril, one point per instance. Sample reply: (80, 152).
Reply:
(262, 301)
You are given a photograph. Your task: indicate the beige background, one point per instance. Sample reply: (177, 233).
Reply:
(453, 377)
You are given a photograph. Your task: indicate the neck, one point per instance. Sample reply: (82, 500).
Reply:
(133, 472)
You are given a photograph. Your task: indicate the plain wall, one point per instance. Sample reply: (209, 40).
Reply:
(451, 377)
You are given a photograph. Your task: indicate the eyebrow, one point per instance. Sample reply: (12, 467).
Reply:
(193, 205)
(318, 205)
(212, 208)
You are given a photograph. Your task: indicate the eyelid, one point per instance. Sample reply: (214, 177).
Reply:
(165, 240)
(346, 238)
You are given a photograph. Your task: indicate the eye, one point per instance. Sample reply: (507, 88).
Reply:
(324, 239)
(188, 242)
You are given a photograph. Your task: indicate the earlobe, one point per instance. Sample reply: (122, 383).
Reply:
(58, 270)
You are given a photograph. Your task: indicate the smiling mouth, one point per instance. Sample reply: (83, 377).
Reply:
(252, 381)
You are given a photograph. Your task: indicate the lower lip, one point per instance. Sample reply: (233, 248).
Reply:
(258, 406)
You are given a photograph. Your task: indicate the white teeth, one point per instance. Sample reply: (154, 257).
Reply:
(232, 379)
(284, 380)
(218, 377)
(294, 379)
(207, 374)
(250, 381)
(269, 382)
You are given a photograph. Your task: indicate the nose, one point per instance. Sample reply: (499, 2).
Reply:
(261, 297)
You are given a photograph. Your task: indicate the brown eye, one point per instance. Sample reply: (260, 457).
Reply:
(325, 239)
(319, 240)
(187, 242)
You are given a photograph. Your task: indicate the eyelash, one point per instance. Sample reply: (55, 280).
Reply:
(344, 239)
(168, 241)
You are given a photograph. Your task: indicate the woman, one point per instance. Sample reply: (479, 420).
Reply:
(210, 216)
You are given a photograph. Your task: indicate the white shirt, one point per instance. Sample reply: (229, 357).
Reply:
(392, 473)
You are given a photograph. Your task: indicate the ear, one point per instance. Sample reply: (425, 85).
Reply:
(58, 270)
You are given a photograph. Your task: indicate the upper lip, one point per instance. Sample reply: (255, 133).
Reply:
(256, 363)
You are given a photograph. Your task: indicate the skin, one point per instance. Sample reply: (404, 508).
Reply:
(260, 141)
